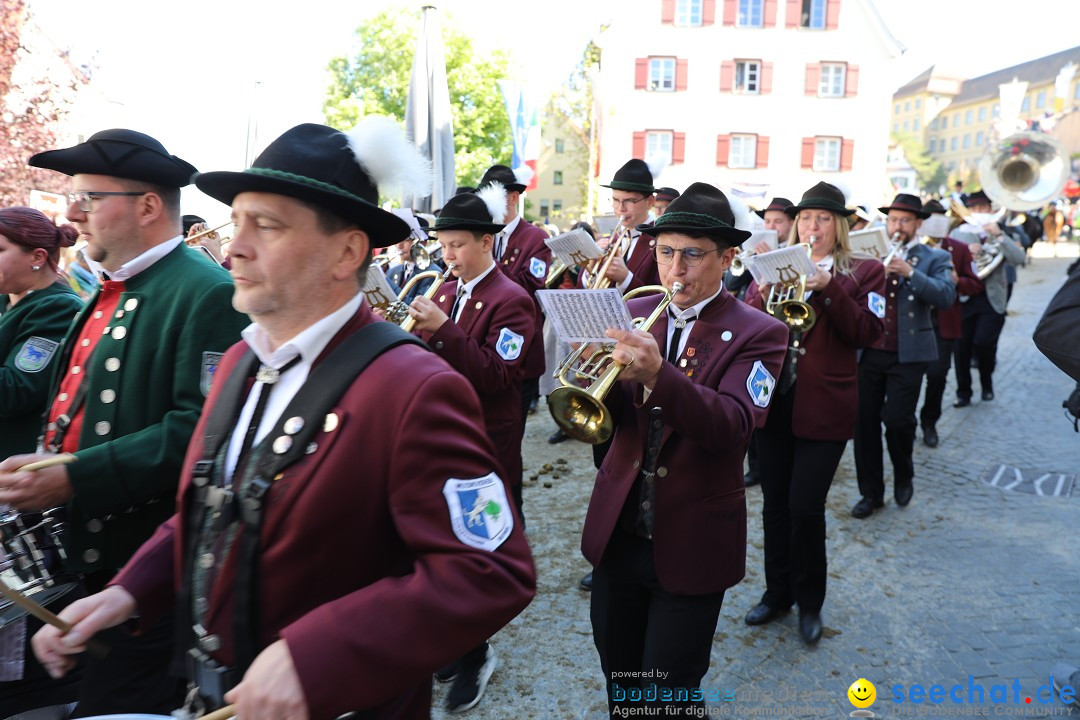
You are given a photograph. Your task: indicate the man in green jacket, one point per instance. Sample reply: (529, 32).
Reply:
(134, 370)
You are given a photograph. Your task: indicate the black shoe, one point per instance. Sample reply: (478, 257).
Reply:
(961, 402)
(585, 583)
(866, 507)
(468, 687)
(903, 494)
(929, 437)
(448, 672)
(810, 627)
(557, 437)
(762, 613)
(987, 395)
(750, 479)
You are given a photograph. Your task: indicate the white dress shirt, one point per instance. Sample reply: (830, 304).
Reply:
(136, 265)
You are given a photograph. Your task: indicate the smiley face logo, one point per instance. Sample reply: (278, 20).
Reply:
(862, 693)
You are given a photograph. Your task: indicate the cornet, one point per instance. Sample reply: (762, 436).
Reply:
(786, 299)
(401, 311)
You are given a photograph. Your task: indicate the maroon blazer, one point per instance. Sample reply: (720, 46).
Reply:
(826, 393)
(362, 574)
(524, 247)
(951, 320)
(472, 347)
(699, 530)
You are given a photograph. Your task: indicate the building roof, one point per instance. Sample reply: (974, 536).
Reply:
(1039, 71)
(916, 84)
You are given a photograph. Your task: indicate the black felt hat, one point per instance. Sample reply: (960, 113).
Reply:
(779, 204)
(907, 203)
(121, 154)
(501, 174)
(701, 210)
(822, 196)
(482, 211)
(933, 207)
(977, 198)
(667, 193)
(335, 171)
(634, 176)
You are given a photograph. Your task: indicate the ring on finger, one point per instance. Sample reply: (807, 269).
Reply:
(633, 357)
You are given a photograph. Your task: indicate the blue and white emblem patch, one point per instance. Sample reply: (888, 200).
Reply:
(509, 344)
(479, 511)
(760, 384)
(35, 354)
(210, 361)
(538, 267)
(876, 303)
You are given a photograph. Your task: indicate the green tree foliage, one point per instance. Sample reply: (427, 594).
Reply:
(374, 79)
(930, 173)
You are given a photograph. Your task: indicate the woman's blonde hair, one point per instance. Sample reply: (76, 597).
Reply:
(843, 260)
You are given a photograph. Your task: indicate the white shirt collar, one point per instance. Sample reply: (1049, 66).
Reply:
(471, 285)
(511, 226)
(694, 311)
(136, 265)
(308, 344)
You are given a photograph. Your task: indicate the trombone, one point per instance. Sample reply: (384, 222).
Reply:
(786, 298)
(581, 413)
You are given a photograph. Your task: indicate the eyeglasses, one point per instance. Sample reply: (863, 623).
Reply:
(905, 221)
(626, 203)
(692, 256)
(85, 200)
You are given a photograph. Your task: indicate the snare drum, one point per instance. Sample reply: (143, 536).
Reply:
(31, 558)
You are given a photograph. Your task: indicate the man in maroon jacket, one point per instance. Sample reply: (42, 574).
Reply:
(319, 564)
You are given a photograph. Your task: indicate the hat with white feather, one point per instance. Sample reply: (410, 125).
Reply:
(482, 211)
(340, 172)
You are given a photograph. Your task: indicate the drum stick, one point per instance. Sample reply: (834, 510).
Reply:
(224, 713)
(61, 459)
(95, 647)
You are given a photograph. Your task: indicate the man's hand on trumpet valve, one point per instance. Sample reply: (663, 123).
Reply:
(638, 352)
(427, 314)
(617, 271)
(899, 267)
(211, 241)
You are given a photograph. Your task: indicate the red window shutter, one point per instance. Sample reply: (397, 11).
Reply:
(807, 152)
(770, 13)
(639, 146)
(680, 74)
(793, 15)
(708, 12)
(667, 12)
(813, 78)
(832, 14)
(641, 73)
(851, 81)
(731, 9)
(727, 75)
(678, 148)
(723, 149)
(766, 78)
(762, 151)
(847, 149)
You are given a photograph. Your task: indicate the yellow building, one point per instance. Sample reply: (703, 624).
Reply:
(954, 118)
(562, 182)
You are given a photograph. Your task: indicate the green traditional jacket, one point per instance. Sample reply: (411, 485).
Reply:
(30, 335)
(148, 377)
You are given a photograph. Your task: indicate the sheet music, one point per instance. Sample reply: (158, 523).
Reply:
(871, 241)
(377, 288)
(783, 265)
(935, 226)
(759, 236)
(576, 247)
(414, 225)
(584, 315)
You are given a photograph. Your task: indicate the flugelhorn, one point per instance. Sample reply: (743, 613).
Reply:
(580, 412)
(409, 322)
(786, 299)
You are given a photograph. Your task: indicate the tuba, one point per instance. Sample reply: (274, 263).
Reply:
(581, 413)
(1027, 170)
(991, 255)
(786, 302)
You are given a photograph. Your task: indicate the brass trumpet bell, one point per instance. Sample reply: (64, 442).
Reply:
(580, 415)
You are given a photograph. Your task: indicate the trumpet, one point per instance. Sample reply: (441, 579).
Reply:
(892, 251)
(581, 413)
(212, 234)
(406, 321)
(423, 255)
(620, 243)
(786, 301)
(738, 265)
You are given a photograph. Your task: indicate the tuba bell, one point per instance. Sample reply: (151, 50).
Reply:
(1026, 171)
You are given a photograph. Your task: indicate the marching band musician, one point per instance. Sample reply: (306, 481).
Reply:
(948, 327)
(984, 314)
(632, 198)
(918, 277)
(482, 324)
(813, 414)
(664, 196)
(666, 524)
(322, 444)
(133, 372)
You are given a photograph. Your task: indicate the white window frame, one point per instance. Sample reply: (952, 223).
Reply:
(751, 13)
(659, 78)
(688, 13)
(833, 80)
(659, 143)
(742, 151)
(827, 154)
(747, 77)
(816, 17)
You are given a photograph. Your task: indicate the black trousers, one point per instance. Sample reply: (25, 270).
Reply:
(937, 373)
(640, 628)
(888, 393)
(981, 332)
(796, 474)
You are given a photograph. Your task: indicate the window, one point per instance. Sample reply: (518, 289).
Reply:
(933, 124)
(944, 123)
(982, 114)
(743, 152)
(658, 144)
(813, 14)
(832, 80)
(543, 208)
(967, 140)
(953, 143)
(918, 103)
(1040, 99)
(1076, 93)
(979, 139)
(1026, 105)
(897, 112)
(557, 179)
(906, 125)
(662, 74)
(996, 111)
(896, 128)
(915, 124)
(556, 206)
(933, 144)
(560, 145)
(827, 154)
(968, 117)
(688, 13)
(907, 106)
(956, 120)
(747, 77)
(750, 13)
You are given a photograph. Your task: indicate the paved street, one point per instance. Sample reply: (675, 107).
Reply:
(972, 579)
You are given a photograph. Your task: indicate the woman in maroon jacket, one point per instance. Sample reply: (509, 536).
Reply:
(813, 414)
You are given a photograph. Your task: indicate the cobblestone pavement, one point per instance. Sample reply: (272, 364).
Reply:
(972, 584)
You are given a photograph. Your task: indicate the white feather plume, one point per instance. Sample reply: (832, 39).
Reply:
(744, 218)
(391, 161)
(657, 162)
(494, 196)
(524, 174)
